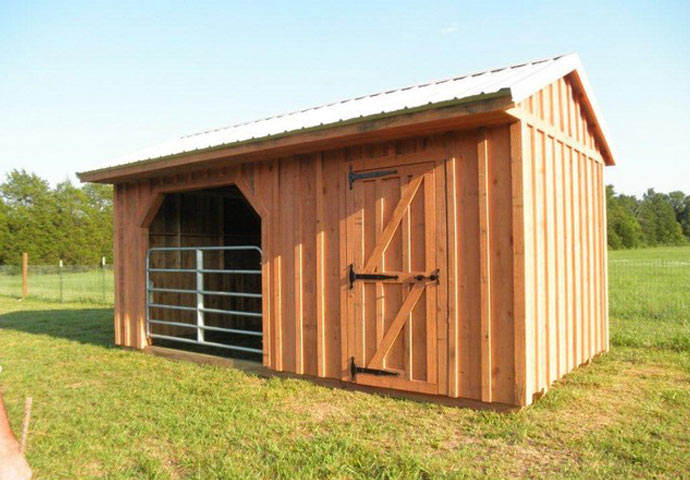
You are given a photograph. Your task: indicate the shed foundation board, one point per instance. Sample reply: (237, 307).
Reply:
(255, 368)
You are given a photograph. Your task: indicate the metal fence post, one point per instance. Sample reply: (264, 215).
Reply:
(60, 274)
(199, 295)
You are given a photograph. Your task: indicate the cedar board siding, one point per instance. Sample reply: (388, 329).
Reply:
(524, 295)
(304, 275)
(564, 236)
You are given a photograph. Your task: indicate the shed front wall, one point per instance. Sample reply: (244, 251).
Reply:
(304, 216)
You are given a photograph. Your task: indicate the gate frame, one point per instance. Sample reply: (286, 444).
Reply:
(200, 292)
(149, 210)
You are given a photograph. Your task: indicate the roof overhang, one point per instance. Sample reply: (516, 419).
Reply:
(481, 99)
(489, 109)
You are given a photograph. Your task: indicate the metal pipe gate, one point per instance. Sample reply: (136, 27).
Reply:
(200, 293)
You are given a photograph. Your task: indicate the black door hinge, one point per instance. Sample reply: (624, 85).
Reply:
(354, 370)
(352, 176)
(352, 276)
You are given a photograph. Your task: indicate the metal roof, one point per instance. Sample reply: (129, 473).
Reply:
(519, 81)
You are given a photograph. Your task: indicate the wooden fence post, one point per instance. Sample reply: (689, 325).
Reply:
(25, 275)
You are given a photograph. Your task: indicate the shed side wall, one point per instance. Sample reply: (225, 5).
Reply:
(564, 224)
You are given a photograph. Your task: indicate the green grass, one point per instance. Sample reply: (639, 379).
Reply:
(649, 294)
(105, 412)
(90, 286)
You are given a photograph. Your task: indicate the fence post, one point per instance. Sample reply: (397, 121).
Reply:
(103, 275)
(60, 272)
(25, 275)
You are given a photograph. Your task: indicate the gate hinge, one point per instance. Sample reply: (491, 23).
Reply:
(352, 276)
(352, 176)
(354, 370)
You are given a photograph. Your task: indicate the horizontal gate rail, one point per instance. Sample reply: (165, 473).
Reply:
(210, 344)
(206, 327)
(206, 292)
(200, 309)
(205, 249)
(206, 310)
(205, 270)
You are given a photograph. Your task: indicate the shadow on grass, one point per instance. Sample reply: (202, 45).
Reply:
(88, 325)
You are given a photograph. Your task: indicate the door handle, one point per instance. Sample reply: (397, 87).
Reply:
(432, 277)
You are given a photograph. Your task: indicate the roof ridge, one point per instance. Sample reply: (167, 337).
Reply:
(383, 92)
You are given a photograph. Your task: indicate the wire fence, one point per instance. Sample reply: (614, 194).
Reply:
(68, 283)
(639, 287)
(649, 288)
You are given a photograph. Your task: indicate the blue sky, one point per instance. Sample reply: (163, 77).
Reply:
(82, 82)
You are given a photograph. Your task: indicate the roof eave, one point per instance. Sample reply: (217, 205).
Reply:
(464, 107)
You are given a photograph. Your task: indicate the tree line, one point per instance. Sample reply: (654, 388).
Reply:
(655, 219)
(66, 222)
(74, 223)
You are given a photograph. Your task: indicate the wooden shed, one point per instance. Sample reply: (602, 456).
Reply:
(443, 241)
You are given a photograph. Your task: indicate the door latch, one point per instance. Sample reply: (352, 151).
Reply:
(432, 277)
(352, 276)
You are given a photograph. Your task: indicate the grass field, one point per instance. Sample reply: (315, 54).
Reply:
(78, 284)
(104, 412)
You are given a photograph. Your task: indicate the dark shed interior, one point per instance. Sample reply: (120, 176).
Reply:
(206, 218)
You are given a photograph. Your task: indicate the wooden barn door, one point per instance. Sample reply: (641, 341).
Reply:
(393, 277)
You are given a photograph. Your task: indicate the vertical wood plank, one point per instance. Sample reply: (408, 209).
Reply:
(590, 254)
(126, 270)
(320, 269)
(452, 201)
(278, 269)
(584, 279)
(298, 268)
(604, 261)
(559, 213)
(523, 353)
(117, 263)
(485, 263)
(596, 250)
(592, 223)
(346, 230)
(568, 265)
(550, 264)
(331, 193)
(577, 258)
(469, 291)
(439, 371)
(541, 258)
(264, 180)
(501, 265)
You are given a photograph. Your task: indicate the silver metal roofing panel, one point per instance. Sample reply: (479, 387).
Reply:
(520, 80)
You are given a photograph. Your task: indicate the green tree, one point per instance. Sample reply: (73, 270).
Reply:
(658, 220)
(681, 206)
(100, 201)
(30, 218)
(64, 223)
(623, 229)
(4, 231)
